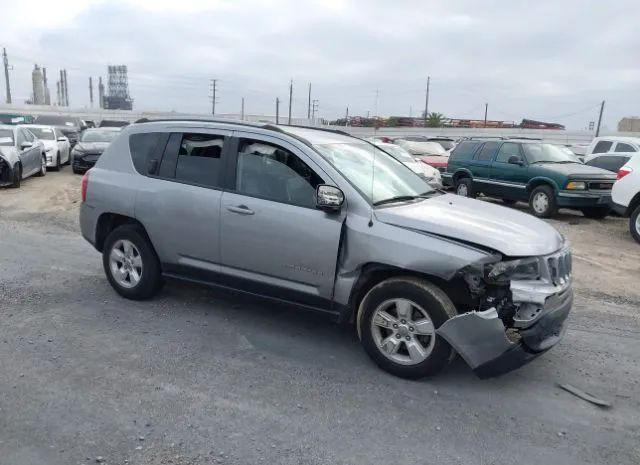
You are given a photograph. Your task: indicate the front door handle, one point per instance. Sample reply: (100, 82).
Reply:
(241, 209)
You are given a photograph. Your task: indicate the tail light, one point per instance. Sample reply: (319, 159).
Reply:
(83, 186)
(623, 172)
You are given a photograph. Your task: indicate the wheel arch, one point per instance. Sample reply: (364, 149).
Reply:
(109, 221)
(461, 173)
(635, 202)
(537, 182)
(373, 273)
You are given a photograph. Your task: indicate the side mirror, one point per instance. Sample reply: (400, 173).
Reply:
(329, 198)
(26, 145)
(62, 139)
(515, 160)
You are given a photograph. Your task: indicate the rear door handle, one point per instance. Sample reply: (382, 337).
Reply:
(241, 209)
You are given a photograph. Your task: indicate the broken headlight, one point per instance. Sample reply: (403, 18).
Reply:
(524, 268)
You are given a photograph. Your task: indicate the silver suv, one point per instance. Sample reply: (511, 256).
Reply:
(329, 222)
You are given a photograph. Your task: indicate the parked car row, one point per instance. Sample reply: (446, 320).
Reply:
(30, 149)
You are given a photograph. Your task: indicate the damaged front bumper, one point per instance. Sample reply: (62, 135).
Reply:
(538, 323)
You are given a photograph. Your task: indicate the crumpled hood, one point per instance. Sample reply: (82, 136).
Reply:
(508, 231)
(97, 147)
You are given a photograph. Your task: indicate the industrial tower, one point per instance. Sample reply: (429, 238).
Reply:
(118, 89)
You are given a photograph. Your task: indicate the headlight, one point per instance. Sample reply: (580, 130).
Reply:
(525, 268)
(576, 185)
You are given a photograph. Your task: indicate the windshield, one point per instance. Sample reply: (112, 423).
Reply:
(6, 137)
(43, 133)
(446, 144)
(57, 120)
(391, 178)
(98, 136)
(398, 153)
(537, 153)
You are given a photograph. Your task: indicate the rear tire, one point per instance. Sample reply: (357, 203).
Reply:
(68, 162)
(634, 224)
(76, 170)
(596, 213)
(464, 188)
(119, 265)
(17, 176)
(543, 202)
(427, 309)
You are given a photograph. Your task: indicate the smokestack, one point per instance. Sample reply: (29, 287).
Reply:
(66, 89)
(38, 87)
(47, 95)
(61, 82)
(100, 92)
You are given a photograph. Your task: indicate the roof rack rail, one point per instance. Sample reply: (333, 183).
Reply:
(334, 131)
(199, 120)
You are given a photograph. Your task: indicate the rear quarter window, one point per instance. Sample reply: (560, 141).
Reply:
(144, 148)
(464, 151)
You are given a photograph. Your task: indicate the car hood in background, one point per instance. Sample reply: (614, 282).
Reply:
(435, 160)
(49, 144)
(508, 231)
(96, 147)
(575, 169)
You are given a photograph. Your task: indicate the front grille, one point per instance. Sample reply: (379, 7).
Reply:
(560, 267)
(600, 185)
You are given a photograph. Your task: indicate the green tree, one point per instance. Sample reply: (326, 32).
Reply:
(435, 120)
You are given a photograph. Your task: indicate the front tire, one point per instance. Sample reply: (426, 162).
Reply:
(596, 213)
(464, 188)
(43, 166)
(17, 176)
(543, 202)
(634, 224)
(130, 263)
(397, 322)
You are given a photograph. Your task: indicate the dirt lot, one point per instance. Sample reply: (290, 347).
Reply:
(198, 376)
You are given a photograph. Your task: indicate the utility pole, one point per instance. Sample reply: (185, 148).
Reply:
(91, 91)
(277, 110)
(346, 118)
(600, 118)
(426, 101)
(66, 90)
(6, 74)
(309, 104)
(100, 92)
(61, 88)
(214, 88)
(290, 100)
(242, 110)
(314, 108)
(486, 108)
(58, 97)
(47, 96)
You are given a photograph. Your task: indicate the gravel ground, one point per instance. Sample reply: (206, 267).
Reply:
(197, 376)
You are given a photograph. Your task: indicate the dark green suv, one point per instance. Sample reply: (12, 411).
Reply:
(547, 176)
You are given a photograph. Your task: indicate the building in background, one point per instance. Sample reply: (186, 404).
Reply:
(118, 97)
(37, 81)
(629, 124)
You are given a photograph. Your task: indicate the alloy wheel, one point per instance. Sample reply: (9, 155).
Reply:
(540, 202)
(403, 331)
(125, 263)
(462, 190)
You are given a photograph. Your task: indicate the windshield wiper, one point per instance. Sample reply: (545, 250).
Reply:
(404, 198)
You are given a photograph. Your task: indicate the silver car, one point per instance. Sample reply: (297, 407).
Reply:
(21, 155)
(329, 223)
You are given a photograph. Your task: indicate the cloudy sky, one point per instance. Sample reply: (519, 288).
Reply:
(548, 60)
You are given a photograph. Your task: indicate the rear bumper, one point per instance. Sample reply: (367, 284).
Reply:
(481, 340)
(88, 222)
(447, 179)
(584, 199)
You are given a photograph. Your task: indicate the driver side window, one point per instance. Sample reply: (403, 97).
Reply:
(272, 172)
(508, 150)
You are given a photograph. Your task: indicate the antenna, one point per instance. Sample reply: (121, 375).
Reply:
(373, 158)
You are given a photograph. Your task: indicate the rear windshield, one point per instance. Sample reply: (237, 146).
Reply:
(465, 150)
(446, 144)
(43, 133)
(57, 120)
(6, 137)
(98, 136)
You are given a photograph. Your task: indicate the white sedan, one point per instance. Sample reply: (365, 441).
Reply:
(56, 145)
(426, 172)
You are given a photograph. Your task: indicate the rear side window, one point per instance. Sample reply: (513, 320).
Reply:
(464, 150)
(609, 162)
(622, 147)
(602, 146)
(487, 151)
(200, 159)
(146, 150)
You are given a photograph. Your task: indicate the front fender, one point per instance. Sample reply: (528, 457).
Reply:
(539, 180)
